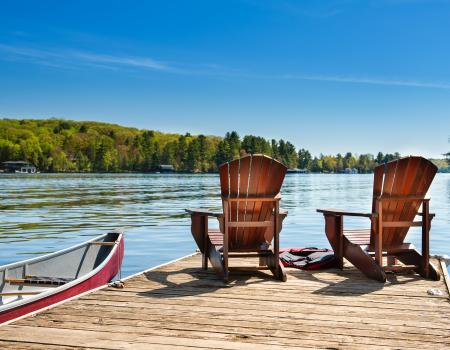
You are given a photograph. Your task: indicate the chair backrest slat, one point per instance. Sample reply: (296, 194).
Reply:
(233, 192)
(420, 184)
(224, 179)
(377, 184)
(391, 208)
(250, 176)
(244, 175)
(409, 176)
(258, 182)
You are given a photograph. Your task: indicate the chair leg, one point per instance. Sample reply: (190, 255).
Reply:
(413, 257)
(205, 244)
(276, 267)
(226, 276)
(225, 269)
(204, 262)
(225, 246)
(364, 262)
(340, 232)
(281, 272)
(425, 264)
(379, 235)
(352, 252)
(262, 261)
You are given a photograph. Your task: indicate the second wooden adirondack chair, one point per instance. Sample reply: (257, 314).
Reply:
(251, 218)
(399, 191)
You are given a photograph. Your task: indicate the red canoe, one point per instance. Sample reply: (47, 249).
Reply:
(31, 285)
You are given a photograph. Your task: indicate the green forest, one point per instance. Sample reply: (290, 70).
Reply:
(56, 145)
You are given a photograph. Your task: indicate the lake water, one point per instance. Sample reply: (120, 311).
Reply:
(43, 213)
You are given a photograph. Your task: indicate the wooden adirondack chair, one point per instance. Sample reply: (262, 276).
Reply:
(251, 218)
(399, 191)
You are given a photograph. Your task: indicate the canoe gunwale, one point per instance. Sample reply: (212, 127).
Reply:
(56, 290)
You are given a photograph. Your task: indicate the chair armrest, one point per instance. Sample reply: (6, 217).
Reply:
(283, 212)
(203, 212)
(339, 212)
(403, 198)
(255, 199)
(432, 215)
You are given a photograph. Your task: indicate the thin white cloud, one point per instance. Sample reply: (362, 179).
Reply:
(140, 62)
(318, 10)
(23, 51)
(70, 58)
(63, 58)
(371, 81)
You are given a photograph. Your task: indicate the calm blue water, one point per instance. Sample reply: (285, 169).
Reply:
(46, 212)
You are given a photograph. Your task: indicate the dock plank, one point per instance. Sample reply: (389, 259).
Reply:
(180, 306)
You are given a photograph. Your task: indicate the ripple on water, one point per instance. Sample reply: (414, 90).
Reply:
(47, 212)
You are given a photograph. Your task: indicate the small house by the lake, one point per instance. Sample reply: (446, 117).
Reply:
(18, 167)
(297, 171)
(351, 171)
(166, 168)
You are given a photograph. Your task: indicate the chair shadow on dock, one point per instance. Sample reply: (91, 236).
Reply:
(194, 281)
(346, 284)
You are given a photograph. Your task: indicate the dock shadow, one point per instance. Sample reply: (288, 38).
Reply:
(195, 281)
(350, 285)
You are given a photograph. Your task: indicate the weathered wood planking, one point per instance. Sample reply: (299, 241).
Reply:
(181, 306)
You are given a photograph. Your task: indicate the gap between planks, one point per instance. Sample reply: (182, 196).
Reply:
(206, 313)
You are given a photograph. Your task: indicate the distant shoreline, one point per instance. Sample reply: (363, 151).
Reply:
(60, 146)
(440, 171)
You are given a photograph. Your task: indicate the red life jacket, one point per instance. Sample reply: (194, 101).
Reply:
(308, 258)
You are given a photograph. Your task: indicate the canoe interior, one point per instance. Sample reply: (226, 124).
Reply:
(69, 264)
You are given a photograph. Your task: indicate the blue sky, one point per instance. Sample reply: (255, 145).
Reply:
(330, 76)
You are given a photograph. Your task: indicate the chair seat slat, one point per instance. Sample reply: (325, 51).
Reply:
(250, 224)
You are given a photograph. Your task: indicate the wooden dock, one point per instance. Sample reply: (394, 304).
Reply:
(179, 306)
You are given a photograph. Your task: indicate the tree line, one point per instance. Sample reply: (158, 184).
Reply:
(56, 145)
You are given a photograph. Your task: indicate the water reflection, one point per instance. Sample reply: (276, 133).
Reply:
(45, 212)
